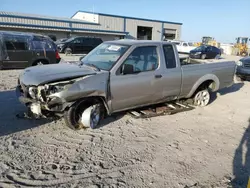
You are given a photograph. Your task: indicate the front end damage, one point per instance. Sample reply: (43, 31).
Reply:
(43, 100)
(52, 99)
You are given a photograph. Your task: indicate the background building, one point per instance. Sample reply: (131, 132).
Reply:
(106, 26)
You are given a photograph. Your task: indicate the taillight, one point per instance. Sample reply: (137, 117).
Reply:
(57, 55)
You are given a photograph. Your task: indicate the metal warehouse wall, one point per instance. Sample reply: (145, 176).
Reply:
(59, 34)
(108, 27)
(107, 23)
(131, 27)
(34, 22)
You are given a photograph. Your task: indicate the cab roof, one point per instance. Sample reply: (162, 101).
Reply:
(135, 42)
(20, 33)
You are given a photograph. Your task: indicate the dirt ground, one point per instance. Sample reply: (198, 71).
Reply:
(205, 147)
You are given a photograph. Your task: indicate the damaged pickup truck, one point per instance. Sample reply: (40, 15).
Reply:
(117, 76)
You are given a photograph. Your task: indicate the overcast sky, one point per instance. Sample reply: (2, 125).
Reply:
(222, 19)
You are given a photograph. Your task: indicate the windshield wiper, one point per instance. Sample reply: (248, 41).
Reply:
(92, 65)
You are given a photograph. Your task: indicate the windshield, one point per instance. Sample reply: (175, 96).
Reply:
(68, 40)
(105, 55)
(190, 44)
(242, 40)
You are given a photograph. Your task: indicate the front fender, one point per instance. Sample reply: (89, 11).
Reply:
(88, 86)
(203, 79)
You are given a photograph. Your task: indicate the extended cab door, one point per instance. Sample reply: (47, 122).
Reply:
(171, 73)
(141, 86)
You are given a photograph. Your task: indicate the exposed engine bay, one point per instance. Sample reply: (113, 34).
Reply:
(45, 97)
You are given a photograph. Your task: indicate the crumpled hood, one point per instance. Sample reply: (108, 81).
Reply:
(55, 72)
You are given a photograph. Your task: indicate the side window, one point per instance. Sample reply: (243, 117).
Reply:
(97, 41)
(185, 44)
(169, 56)
(16, 43)
(143, 59)
(77, 41)
(40, 43)
(49, 45)
(209, 49)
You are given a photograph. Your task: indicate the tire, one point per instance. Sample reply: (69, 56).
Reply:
(217, 56)
(203, 56)
(202, 98)
(83, 115)
(68, 51)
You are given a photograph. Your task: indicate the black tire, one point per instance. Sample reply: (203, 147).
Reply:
(203, 56)
(67, 51)
(72, 116)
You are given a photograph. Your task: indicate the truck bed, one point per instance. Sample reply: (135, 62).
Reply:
(191, 72)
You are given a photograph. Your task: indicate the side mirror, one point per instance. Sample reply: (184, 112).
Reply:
(127, 69)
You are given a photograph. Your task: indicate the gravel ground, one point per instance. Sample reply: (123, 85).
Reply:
(205, 147)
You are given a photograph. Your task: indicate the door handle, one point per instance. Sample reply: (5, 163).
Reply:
(158, 76)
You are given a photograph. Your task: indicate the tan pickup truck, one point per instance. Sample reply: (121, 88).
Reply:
(118, 76)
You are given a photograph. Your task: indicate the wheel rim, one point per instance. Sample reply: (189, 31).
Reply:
(202, 98)
(94, 117)
(90, 117)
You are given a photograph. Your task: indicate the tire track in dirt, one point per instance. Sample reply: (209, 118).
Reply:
(117, 172)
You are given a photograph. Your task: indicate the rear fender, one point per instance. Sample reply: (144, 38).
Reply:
(203, 79)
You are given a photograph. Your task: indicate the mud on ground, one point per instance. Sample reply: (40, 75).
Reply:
(205, 147)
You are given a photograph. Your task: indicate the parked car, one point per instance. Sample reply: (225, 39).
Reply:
(79, 44)
(118, 76)
(21, 50)
(183, 47)
(205, 52)
(243, 68)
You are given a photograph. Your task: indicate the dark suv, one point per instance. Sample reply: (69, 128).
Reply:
(20, 50)
(79, 44)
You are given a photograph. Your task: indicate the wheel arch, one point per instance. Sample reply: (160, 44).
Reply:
(40, 59)
(207, 81)
(93, 99)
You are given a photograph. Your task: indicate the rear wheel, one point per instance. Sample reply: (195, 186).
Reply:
(202, 98)
(83, 115)
(68, 51)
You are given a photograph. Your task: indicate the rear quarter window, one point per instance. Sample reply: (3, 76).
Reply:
(40, 43)
(169, 55)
